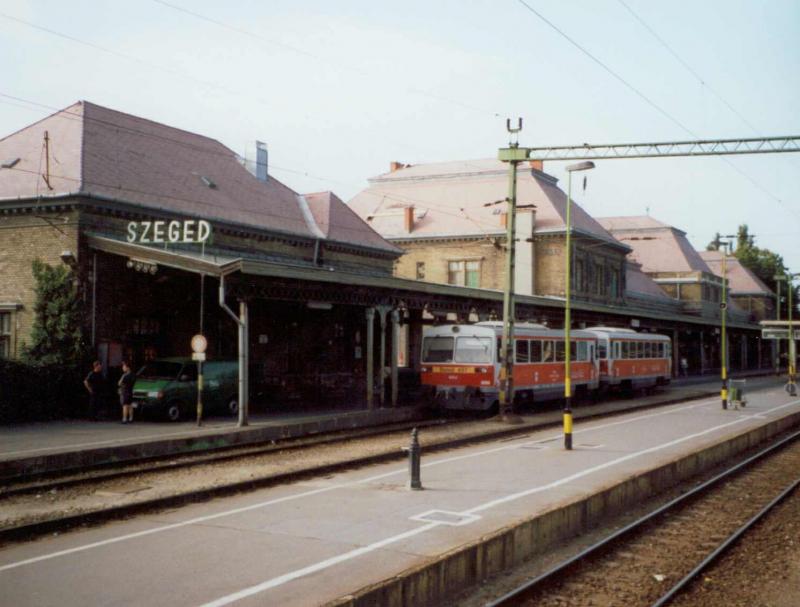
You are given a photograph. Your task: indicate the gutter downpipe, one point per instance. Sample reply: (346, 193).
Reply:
(241, 323)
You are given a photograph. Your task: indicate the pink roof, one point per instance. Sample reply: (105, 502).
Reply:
(742, 280)
(338, 222)
(658, 247)
(449, 199)
(108, 154)
(638, 282)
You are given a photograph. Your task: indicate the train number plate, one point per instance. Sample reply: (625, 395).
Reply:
(461, 370)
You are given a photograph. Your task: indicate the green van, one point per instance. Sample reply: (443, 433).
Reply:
(168, 386)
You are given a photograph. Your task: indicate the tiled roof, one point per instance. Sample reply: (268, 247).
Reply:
(658, 247)
(108, 154)
(338, 222)
(450, 199)
(742, 280)
(639, 283)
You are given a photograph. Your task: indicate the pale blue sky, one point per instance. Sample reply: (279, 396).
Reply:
(340, 89)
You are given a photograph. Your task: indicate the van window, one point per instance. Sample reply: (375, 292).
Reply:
(160, 369)
(648, 350)
(522, 351)
(474, 350)
(437, 349)
(601, 350)
(583, 350)
(560, 352)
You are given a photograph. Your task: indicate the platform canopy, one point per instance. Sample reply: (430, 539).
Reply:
(779, 329)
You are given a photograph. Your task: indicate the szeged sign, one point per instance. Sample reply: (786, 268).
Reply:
(161, 232)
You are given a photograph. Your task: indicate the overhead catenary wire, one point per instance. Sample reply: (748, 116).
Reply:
(317, 57)
(650, 102)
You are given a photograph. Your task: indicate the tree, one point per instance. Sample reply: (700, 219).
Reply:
(765, 264)
(56, 336)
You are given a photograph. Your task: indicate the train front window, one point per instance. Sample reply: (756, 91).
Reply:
(437, 350)
(474, 350)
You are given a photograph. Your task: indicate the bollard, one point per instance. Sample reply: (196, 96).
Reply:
(413, 461)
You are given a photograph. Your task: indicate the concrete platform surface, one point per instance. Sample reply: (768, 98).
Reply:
(40, 447)
(312, 542)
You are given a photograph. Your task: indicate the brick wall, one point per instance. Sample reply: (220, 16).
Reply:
(24, 238)
(435, 256)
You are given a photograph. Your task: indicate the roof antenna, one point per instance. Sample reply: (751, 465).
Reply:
(46, 175)
(513, 132)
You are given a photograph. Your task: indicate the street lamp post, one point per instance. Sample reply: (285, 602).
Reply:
(792, 345)
(724, 309)
(580, 166)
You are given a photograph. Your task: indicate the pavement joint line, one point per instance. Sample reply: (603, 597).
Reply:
(280, 580)
(248, 508)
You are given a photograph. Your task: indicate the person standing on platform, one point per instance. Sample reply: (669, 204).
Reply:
(684, 367)
(94, 385)
(125, 385)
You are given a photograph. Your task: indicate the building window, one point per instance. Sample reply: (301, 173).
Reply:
(464, 273)
(614, 282)
(579, 272)
(5, 334)
(420, 270)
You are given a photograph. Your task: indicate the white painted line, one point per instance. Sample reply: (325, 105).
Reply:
(463, 518)
(293, 575)
(277, 581)
(271, 502)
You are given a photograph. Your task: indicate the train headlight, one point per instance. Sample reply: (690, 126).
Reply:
(424, 369)
(482, 369)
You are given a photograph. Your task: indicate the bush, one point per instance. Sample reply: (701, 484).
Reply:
(38, 392)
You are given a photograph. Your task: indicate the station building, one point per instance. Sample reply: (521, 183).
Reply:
(449, 219)
(170, 233)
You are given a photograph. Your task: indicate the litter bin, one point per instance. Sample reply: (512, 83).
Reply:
(736, 392)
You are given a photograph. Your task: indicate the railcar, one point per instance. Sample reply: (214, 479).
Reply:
(461, 363)
(630, 361)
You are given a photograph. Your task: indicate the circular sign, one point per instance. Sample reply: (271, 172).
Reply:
(199, 343)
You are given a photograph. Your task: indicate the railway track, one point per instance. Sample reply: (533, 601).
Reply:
(59, 480)
(653, 560)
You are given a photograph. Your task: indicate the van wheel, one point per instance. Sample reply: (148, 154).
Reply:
(233, 406)
(174, 411)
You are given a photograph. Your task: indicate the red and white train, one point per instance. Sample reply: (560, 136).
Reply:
(462, 362)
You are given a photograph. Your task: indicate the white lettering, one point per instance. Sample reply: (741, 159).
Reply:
(174, 231)
(188, 230)
(203, 230)
(146, 231)
(131, 231)
(158, 231)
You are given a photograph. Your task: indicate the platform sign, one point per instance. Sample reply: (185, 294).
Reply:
(199, 343)
(163, 232)
(775, 333)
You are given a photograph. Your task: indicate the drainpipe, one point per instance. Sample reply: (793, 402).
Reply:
(241, 323)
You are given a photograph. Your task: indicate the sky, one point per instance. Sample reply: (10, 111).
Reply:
(338, 90)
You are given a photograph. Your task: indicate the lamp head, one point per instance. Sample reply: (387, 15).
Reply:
(580, 166)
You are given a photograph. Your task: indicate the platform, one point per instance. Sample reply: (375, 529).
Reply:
(27, 449)
(364, 534)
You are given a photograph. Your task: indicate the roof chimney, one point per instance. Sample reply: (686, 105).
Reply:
(537, 164)
(408, 218)
(261, 161)
(396, 166)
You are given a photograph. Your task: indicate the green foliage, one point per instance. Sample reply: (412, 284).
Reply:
(765, 264)
(56, 336)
